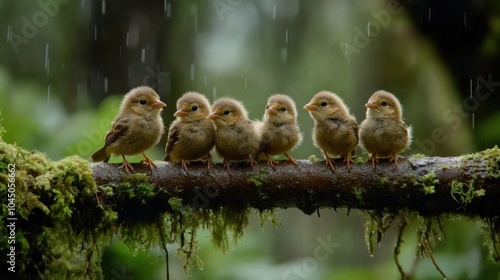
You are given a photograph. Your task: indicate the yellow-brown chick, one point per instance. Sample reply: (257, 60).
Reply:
(383, 133)
(136, 128)
(335, 130)
(191, 136)
(236, 137)
(279, 130)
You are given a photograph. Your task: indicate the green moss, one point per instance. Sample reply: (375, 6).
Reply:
(492, 157)
(428, 183)
(377, 223)
(465, 193)
(313, 158)
(358, 193)
(359, 160)
(258, 179)
(416, 156)
(384, 181)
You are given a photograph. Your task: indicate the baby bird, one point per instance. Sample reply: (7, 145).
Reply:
(236, 137)
(136, 128)
(280, 132)
(383, 133)
(335, 130)
(191, 136)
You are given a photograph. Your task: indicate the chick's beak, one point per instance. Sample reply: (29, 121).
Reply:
(371, 105)
(272, 111)
(310, 107)
(180, 113)
(158, 105)
(213, 116)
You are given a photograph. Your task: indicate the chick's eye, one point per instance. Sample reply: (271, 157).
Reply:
(143, 102)
(283, 109)
(323, 103)
(267, 107)
(226, 112)
(384, 103)
(194, 108)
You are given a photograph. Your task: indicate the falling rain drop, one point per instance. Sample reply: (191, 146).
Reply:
(368, 29)
(48, 67)
(9, 32)
(143, 56)
(95, 33)
(82, 3)
(214, 93)
(429, 14)
(126, 41)
(106, 84)
(48, 94)
(103, 7)
(168, 9)
(286, 36)
(46, 56)
(274, 12)
(192, 72)
(465, 19)
(245, 83)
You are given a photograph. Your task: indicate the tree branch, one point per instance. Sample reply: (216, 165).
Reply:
(467, 185)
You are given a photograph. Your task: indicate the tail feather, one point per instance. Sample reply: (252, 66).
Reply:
(100, 155)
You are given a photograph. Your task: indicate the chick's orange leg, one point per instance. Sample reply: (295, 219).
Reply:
(374, 160)
(184, 166)
(227, 165)
(126, 165)
(290, 159)
(251, 160)
(394, 159)
(348, 160)
(270, 161)
(208, 161)
(149, 162)
(329, 161)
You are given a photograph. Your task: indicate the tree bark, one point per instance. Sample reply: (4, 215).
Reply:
(467, 185)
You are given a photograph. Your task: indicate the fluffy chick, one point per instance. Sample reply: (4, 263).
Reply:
(137, 127)
(383, 133)
(335, 130)
(236, 137)
(191, 136)
(280, 132)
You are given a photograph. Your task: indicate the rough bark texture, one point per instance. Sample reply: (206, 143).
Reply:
(467, 185)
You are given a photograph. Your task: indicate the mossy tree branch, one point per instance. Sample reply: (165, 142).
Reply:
(467, 185)
(70, 209)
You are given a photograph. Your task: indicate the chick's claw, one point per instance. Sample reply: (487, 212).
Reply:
(290, 159)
